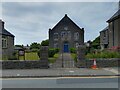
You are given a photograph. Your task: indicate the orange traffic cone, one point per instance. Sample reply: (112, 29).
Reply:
(94, 66)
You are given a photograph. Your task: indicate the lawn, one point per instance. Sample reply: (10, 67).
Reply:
(30, 56)
(34, 56)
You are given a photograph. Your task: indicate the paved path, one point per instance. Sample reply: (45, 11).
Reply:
(57, 72)
(64, 61)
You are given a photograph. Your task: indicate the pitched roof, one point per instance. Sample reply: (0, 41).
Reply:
(104, 29)
(5, 32)
(115, 16)
(65, 20)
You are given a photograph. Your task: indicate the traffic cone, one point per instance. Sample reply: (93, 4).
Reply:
(94, 66)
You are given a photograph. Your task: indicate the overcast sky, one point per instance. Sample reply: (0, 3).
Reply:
(30, 21)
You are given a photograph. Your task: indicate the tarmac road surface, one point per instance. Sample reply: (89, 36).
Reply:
(61, 82)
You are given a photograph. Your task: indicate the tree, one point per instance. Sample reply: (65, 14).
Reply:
(35, 45)
(96, 43)
(45, 43)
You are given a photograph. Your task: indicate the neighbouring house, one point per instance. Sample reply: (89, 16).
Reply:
(104, 38)
(110, 36)
(65, 35)
(7, 40)
(114, 30)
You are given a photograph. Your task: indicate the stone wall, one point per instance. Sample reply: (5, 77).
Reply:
(101, 63)
(16, 64)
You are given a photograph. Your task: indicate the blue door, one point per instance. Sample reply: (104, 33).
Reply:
(66, 49)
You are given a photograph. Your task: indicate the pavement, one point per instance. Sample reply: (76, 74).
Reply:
(59, 72)
(63, 67)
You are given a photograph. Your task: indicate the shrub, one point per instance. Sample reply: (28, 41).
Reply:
(104, 54)
(51, 52)
(57, 50)
(72, 50)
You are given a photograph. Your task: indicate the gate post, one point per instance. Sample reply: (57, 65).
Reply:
(44, 57)
(81, 56)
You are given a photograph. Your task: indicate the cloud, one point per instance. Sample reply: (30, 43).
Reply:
(30, 21)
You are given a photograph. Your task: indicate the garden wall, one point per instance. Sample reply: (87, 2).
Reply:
(112, 62)
(15, 64)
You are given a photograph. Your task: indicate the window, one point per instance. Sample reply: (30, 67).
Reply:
(55, 45)
(104, 33)
(76, 36)
(55, 36)
(76, 45)
(62, 34)
(4, 42)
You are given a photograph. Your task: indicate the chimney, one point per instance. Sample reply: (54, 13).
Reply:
(65, 15)
(1, 24)
(49, 29)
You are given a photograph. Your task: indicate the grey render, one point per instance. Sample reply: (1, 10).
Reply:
(71, 31)
(112, 37)
(8, 51)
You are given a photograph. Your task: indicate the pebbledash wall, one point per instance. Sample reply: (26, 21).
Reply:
(15, 64)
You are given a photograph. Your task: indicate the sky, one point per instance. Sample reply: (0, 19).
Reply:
(30, 21)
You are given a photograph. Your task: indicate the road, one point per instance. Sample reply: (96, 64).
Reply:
(61, 82)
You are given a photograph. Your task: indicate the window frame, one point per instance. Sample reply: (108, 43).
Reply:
(4, 42)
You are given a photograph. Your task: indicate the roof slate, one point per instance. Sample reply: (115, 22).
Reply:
(104, 29)
(64, 20)
(5, 32)
(116, 15)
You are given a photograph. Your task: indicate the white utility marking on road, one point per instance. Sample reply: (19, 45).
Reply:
(112, 70)
(71, 71)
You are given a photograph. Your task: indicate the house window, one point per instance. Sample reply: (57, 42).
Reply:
(55, 45)
(55, 36)
(4, 42)
(76, 36)
(62, 34)
(104, 34)
(76, 45)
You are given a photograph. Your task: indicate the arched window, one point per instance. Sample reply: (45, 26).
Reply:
(76, 45)
(56, 36)
(55, 45)
(76, 36)
(63, 34)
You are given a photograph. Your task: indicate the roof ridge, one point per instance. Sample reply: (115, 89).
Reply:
(66, 16)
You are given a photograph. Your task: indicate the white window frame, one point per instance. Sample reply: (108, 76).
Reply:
(4, 42)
